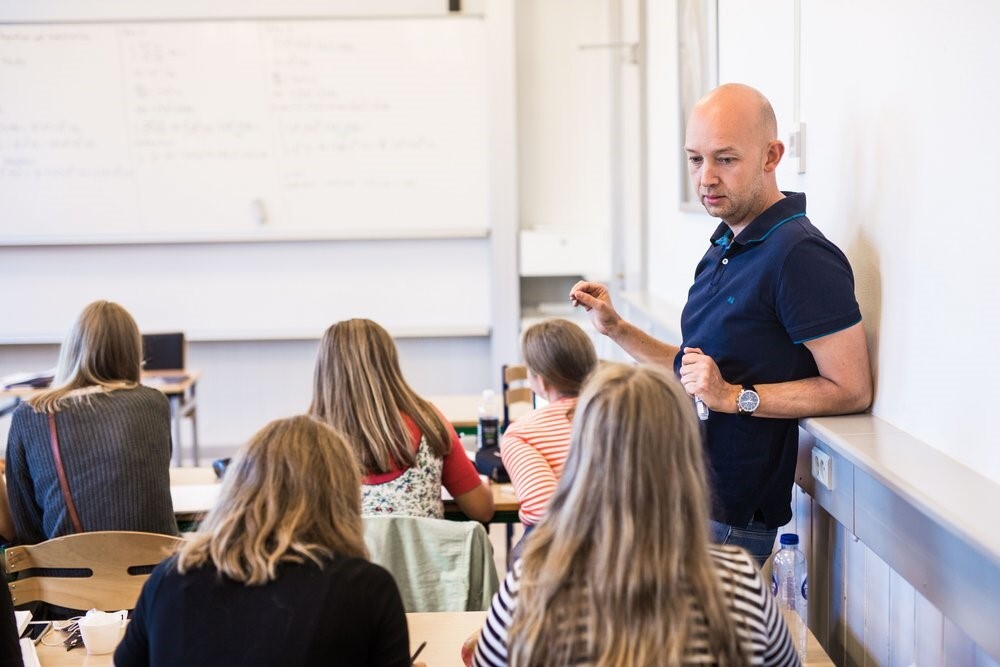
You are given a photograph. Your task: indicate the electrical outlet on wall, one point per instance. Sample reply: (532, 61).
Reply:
(822, 468)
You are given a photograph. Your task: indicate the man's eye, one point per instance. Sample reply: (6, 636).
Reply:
(727, 160)
(694, 160)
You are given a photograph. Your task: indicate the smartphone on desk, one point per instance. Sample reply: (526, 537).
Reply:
(36, 630)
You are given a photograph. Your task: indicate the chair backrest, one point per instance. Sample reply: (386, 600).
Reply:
(438, 565)
(518, 398)
(102, 570)
(163, 351)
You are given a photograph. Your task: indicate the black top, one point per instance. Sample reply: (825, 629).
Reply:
(10, 649)
(754, 302)
(346, 613)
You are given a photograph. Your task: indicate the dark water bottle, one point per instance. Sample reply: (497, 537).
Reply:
(488, 432)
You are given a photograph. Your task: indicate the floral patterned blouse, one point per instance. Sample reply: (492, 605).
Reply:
(416, 492)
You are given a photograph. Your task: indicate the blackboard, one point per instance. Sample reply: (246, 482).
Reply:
(243, 130)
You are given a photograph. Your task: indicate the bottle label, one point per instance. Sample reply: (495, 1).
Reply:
(489, 432)
(805, 588)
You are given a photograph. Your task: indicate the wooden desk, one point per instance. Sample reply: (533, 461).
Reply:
(179, 387)
(444, 633)
(505, 505)
(195, 490)
(13, 398)
(462, 410)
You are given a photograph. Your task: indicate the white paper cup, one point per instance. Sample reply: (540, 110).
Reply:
(100, 631)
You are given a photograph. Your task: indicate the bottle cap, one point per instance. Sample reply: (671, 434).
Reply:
(789, 538)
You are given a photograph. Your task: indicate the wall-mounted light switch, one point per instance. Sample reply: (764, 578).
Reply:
(797, 147)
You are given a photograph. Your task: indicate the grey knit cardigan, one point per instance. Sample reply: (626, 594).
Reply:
(115, 449)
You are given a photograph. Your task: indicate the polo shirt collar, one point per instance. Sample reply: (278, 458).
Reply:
(791, 207)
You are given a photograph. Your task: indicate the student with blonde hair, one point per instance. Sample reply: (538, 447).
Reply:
(559, 357)
(407, 449)
(278, 573)
(93, 452)
(620, 571)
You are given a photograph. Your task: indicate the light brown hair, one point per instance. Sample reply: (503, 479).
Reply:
(560, 352)
(359, 390)
(625, 540)
(103, 349)
(292, 493)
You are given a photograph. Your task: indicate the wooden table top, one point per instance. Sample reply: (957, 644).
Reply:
(195, 489)
(444, 633)
(167, 381)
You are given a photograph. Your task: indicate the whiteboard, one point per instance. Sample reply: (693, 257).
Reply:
(251, 291)
(243, 130)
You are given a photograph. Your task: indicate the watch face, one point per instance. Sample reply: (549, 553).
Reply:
(748, 400)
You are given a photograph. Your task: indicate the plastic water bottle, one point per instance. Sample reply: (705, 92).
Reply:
(488, 433)
(790, 586)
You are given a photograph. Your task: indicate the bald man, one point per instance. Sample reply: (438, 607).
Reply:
(771, 329)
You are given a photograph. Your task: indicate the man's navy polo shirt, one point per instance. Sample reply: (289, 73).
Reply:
(754, 301)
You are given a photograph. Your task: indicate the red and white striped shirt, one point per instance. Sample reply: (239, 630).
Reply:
(534, 451)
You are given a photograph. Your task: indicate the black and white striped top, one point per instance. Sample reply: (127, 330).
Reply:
(758, 619)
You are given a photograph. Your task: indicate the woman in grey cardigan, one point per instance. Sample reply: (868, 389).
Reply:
(111, 434)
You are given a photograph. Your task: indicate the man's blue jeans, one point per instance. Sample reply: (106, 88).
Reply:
(755, 537)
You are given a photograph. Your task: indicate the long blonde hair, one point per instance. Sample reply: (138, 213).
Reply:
(359, 389)
(292, 493)
(625, 540)
(102, 349)
(560, 352)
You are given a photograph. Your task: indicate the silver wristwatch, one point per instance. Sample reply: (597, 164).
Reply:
(747, 401)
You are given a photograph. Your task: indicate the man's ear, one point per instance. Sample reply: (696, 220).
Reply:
(773, 154)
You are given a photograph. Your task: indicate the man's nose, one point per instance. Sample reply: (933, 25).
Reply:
(707, 176)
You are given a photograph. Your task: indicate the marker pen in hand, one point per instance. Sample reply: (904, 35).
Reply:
(698, 403)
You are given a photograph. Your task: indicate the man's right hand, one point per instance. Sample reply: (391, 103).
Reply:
(596, 300)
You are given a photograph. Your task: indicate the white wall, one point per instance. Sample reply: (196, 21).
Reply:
(563, 122)
(564, 142)
(901, 102)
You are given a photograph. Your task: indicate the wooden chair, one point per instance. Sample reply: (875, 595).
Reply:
(103, 569)
(518, 397)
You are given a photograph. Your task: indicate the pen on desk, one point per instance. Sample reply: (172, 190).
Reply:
(417, 652)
